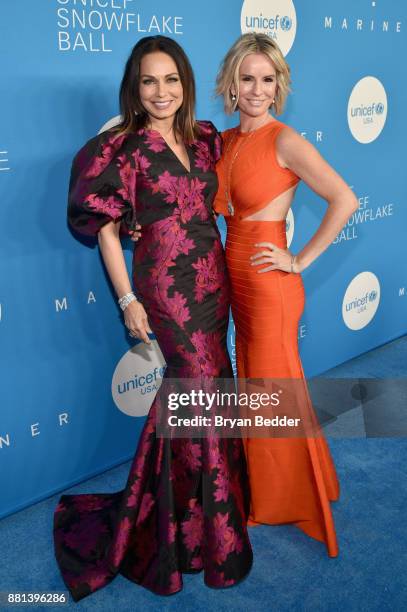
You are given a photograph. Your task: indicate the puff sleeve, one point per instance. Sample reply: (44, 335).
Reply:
(217, 145)
(102, 186)
(220, 204)
(214, 139)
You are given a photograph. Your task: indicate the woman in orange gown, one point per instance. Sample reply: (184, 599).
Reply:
(292, 478)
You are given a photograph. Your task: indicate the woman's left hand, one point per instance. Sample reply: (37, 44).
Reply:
(279, 259)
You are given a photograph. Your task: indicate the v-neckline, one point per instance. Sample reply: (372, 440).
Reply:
(188, 171)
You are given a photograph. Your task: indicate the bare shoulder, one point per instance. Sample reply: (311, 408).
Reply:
(289, 139)
(301, 157)
(291, 146)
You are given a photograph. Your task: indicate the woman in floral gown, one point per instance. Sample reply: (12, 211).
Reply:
(185, 504)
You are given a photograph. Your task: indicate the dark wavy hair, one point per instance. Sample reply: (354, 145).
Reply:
(134, 116)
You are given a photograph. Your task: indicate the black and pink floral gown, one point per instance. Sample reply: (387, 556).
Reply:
(186, 501)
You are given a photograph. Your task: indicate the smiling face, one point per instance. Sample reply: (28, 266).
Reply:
(257, 85)
(160, 88)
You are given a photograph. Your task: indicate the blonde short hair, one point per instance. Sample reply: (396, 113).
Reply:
(228, 74)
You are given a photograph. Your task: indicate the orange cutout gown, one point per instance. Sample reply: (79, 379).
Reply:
(292, 479)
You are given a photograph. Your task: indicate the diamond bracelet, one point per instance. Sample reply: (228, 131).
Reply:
(125, 300)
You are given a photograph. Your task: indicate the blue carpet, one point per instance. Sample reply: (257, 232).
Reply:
(290, 571)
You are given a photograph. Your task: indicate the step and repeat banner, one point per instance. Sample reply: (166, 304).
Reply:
(74, 387)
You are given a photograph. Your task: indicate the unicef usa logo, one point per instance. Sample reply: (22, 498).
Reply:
(277, 19)
(361, 300)
(137, 378)
(367, 109)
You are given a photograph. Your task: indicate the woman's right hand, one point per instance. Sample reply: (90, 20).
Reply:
(136, 321)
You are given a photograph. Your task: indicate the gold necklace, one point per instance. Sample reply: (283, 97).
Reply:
(228, 195)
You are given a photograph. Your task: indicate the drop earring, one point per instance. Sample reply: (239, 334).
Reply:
(233, 96)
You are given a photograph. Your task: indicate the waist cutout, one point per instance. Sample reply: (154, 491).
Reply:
(248, 233)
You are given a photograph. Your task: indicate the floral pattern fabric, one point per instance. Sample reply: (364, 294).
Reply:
(186, 501)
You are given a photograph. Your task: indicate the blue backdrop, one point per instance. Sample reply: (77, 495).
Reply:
(73, 391)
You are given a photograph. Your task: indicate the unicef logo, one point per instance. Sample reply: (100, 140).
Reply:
(289, 227)
(137, 378)
(277, 19)
(367, 109)
(361, 300)
(286, 23)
